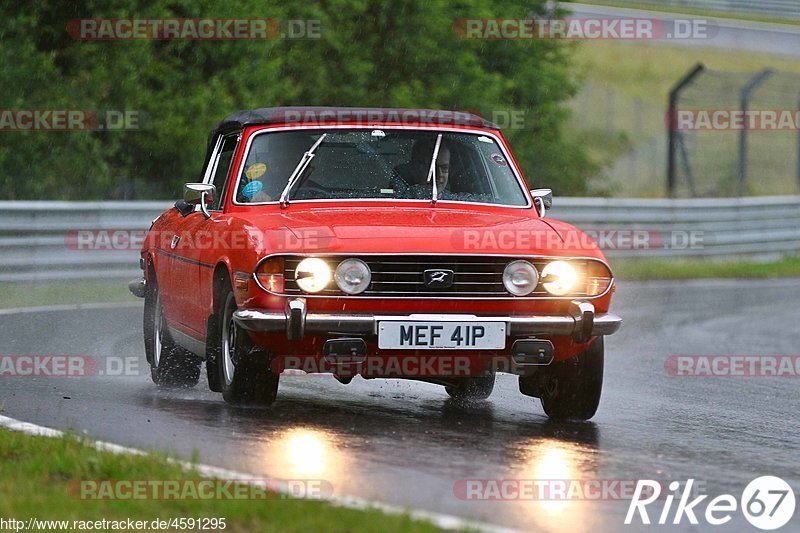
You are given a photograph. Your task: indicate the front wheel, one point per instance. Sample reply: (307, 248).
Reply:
(243, 370)
(571, 388)
(170, 365)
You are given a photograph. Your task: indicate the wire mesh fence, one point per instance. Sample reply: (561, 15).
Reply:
(630, 137)
(734, 134)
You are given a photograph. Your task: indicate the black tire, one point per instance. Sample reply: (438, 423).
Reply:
(572, 388)
(213, 351)
(170, 365)
(471, 389)
(244, 371)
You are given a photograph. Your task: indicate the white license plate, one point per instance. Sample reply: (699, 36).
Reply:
(432, 335)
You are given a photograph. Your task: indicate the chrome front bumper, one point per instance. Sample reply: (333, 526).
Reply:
(138, 287)
(581, 322)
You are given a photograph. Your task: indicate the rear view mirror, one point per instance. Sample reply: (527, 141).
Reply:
(200, 194)
(543, 198)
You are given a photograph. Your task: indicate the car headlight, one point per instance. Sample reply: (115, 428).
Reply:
(353, 276)
(312, 274)
(520, 278)
(559, 278)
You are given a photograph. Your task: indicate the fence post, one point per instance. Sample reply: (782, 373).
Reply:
(671, 126)
(744, 104)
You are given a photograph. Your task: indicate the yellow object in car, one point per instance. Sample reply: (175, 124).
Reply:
(255, 171)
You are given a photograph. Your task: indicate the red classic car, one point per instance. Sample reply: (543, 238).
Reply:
(385, 243)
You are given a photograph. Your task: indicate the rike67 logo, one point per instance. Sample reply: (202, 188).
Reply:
(768, 503)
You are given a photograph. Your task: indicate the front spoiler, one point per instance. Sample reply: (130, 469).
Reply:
(581, 323)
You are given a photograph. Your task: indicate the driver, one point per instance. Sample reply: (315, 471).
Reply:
(415, 173)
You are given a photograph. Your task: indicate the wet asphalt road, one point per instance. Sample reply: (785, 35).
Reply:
(405, 443)
(726, 34)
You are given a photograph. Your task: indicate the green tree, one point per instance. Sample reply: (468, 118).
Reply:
(371, 53)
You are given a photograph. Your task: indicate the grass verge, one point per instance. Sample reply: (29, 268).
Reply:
(652, 269)
(624, 95)
(647, 70)
(36, 293)
(36, 471)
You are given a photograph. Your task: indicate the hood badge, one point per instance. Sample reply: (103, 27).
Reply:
(439, 278)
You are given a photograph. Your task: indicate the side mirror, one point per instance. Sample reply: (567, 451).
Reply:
(200, 194)
(543, 198)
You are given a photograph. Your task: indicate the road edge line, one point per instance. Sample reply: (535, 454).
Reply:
(444, 521)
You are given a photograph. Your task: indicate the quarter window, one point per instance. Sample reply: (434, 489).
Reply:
(222, 165)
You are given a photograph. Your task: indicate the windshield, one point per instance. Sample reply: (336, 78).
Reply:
(377, 164)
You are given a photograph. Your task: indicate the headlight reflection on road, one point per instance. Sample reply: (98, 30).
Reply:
(554, 464)
(549, 461)
(552, 460)
(307, 453)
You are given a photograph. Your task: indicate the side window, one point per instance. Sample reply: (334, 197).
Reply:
(222, 165)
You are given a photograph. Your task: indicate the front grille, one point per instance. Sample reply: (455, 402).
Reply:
(403, 276)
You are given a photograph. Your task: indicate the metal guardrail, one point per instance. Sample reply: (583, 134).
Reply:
(37, 238)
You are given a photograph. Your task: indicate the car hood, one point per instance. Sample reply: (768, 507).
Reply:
(431, 230)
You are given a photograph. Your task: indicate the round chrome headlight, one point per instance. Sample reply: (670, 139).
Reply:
(559, 278)
(353, 276)
(520, 278)
(312, 274)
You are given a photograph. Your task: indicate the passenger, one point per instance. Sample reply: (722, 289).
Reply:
(271, 161)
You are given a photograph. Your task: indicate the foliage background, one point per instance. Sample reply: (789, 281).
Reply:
(372, 53)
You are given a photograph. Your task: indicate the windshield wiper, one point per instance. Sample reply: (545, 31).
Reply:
(299, 169)
(432, 169)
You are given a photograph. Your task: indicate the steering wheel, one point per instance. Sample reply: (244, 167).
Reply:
(401, 187)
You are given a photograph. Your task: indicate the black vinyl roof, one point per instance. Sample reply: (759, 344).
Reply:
(360, 115)
(336, 115)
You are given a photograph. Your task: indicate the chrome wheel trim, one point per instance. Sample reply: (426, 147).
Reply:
(228, 348)
(158, 332)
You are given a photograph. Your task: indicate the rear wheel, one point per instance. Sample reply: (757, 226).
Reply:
(170, 365)
(468, 389)
(571, 388)
(245, 376)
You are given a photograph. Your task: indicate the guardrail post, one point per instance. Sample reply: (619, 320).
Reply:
(744, 104)
(674, 93)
